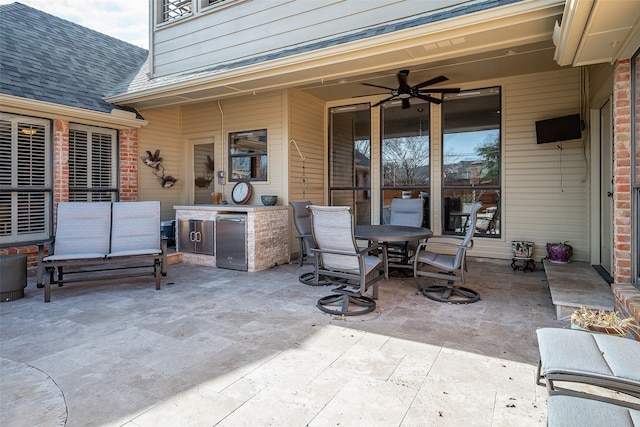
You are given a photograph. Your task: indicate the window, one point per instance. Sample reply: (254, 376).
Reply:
(471, 160)
(92, 164)
(25, 179)
(248, 155)
(405, 155)
(175, 9)
(350, 160)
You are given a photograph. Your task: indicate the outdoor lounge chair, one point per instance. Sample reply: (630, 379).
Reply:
(448, 254)
(590, 358)
(338, 256)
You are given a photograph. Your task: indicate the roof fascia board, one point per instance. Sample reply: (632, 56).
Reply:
(365, 47)
(574, 20)
(18, 105)
(631, 45)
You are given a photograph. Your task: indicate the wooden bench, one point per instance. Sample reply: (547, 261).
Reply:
(124, 234)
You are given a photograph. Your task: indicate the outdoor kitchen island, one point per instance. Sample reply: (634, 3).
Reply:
(266, 234)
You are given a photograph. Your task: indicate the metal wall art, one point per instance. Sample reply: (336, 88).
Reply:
(154, 161)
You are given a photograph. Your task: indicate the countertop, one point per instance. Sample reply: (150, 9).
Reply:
(229, 208)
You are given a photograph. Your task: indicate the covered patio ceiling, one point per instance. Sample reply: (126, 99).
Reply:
(506, 41)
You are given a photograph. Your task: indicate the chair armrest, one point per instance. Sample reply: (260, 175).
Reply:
(335, 252)
(367, 249)
(360, 252)
(423, 246)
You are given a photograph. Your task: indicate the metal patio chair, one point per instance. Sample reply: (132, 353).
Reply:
(407, 212)
(448, 254)
(337, 256)
(302, 222)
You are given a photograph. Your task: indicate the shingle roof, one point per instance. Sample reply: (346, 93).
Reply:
(46, 58)
(141, 82)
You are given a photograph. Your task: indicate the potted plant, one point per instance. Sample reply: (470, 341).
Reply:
(601, 321)
(522, 248)
(560, 252)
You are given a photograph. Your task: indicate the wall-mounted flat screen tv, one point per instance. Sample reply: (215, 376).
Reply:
(557, 129)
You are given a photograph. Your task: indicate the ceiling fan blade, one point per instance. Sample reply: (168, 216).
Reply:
(371, 94)
(383, 101)
(429, 99)
(405, 103)
(433, 81)
(443, 90)
(378, 86)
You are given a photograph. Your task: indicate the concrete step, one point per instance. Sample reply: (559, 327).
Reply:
(574, 285)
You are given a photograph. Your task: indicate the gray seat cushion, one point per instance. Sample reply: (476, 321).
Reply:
(599, 359)
(577, 411)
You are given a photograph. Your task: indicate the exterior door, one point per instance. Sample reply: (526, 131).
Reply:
(606, 188)
(203, 172)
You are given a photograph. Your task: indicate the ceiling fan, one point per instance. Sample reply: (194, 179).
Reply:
(405, 92)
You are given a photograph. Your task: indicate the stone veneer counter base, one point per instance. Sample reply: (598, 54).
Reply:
(267, 233)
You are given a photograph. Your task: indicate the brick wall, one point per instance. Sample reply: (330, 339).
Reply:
(128, 165)
(626, 297)
(128, 177)
(622, 173)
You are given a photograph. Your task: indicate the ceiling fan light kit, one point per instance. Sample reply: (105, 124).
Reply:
(405, 92)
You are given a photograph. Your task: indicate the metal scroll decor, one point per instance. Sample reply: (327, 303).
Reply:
(154, 161)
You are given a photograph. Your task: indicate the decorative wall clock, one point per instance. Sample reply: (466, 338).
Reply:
(241, 192)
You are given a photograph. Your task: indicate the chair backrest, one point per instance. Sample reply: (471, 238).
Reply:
(135, 227)
(333, 229)
(302, 221)
(407, 212)
(473, 216)
(83, 228)
(490, 223)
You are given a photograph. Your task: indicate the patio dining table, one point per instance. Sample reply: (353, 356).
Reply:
(392, 233)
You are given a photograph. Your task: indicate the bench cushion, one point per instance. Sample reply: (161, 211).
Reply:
(576, 411)
(83, 228)
(135, 227)
(591, 358)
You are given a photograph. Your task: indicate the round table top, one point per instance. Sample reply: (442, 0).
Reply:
(391, 233)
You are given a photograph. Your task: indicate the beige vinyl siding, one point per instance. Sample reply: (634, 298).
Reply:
(163, 133)
(545, 188)
(218, 35)
(261, 111)
(307, 128)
